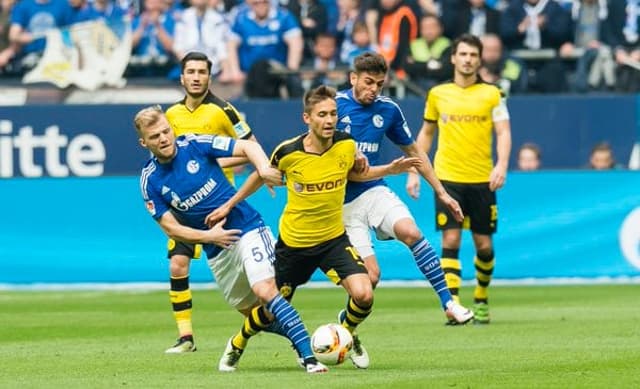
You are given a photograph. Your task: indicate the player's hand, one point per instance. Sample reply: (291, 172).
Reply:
(497, 178)
(452, 206)
(270, 176)
(217, 215)
(221, 237)
(403, 164)
(413, 185)
(361, 163)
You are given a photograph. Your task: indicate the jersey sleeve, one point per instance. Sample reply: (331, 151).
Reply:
(430, 108)
(499, 112)
(153, 201)
(241, 129)
(399, 132)
(214, 146)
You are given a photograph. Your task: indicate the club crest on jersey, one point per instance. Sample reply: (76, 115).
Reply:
(378, 121)
(193, 166)
(342, 163)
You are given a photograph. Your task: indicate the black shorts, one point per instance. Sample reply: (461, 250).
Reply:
(337, 258)
(190, 250)
(478, 204)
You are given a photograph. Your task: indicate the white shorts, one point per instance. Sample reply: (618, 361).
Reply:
(376, 209)
(248, 261)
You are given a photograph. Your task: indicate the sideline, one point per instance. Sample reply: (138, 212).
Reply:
(152, 286)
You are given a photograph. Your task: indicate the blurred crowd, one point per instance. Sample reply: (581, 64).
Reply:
(279, 48)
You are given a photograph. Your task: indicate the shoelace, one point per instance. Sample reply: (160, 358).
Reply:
(233, 356)
(356, 345)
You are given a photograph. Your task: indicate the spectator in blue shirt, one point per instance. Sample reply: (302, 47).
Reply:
(263, 31)
(30, 21)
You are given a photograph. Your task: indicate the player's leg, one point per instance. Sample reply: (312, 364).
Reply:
(293, 267)
(451, 237)
(428, 262)
(484, 263)
(180, 255)
(450, 262)
(484, 222)
(343, 265)
(357, 226)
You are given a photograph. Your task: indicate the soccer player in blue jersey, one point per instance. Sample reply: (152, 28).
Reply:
(182, 184)
(369, 117)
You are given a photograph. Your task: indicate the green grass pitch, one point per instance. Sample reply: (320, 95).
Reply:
(540, 337)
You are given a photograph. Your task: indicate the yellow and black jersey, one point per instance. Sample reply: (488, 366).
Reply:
(214, 116)
(465, 119)
(316, 185)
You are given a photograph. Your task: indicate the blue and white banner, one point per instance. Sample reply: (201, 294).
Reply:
(551, 225)
(88, 55)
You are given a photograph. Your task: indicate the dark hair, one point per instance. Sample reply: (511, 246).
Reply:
(468, 39)
(316, 95)
(370, 62)
(194, 56)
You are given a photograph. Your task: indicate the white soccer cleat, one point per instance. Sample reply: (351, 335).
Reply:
(458, 314)
(184, 345)
(359, 355)
(230, 358)
(316, 368)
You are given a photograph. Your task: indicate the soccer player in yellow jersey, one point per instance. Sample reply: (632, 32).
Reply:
(467, 112)
(317, 165)
(203, 113)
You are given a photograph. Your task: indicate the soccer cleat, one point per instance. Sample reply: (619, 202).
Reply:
(315, 367)
(457, 314)
(184, 345)
(359, 355)
(481, 311)
(230, 358)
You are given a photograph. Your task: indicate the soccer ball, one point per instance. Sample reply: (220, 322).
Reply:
(331, 344)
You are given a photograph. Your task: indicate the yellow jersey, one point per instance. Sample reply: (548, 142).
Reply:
(316, 186)
(214, 116)
(465, 118)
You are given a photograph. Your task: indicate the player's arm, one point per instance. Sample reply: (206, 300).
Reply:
(423, 144)
(215, 235)
(503, 149)
(250, 186)
(426, 171)
(254, 152)
(397, 166)
(235, 161)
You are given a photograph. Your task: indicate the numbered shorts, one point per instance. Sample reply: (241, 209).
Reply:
(478, 204)
(376, 209)
(337, 258)
(247, 262)
(190, 250)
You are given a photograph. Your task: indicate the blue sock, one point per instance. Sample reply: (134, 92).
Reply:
(429, 264)
(275, 328)
(292, 325)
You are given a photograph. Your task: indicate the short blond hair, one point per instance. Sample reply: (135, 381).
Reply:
(147, 117)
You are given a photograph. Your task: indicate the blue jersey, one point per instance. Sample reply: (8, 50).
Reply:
(192, 185)
(368, 124)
